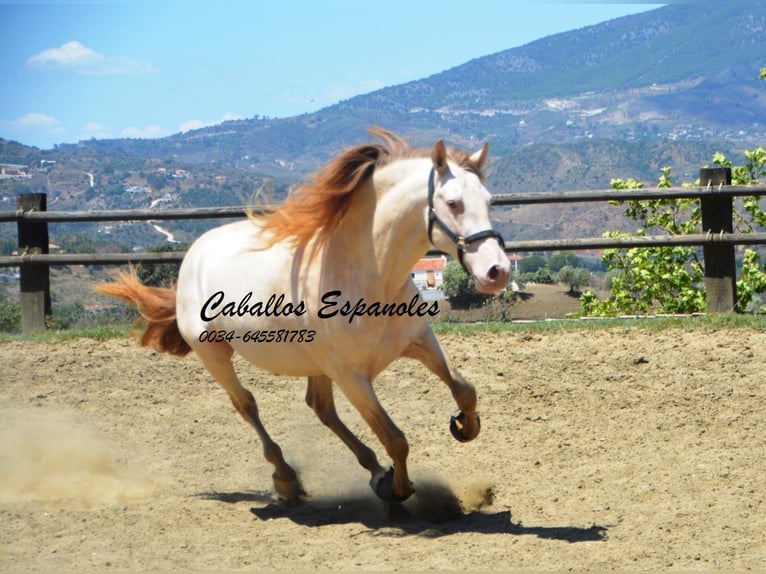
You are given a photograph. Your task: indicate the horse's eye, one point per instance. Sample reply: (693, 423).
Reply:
(451, 203)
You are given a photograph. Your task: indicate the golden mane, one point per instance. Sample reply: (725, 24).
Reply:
(318, 206)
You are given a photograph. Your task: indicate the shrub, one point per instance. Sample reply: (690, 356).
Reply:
(459, 287)
(10, 317)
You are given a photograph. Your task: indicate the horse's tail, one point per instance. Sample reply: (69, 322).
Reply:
(157, 306)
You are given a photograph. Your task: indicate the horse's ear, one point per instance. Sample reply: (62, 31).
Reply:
(480, 157)
(439, 156)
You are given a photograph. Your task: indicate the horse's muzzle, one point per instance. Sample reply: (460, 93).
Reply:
(493, 280)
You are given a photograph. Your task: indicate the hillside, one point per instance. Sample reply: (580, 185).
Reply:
(589, 165)
(681, 72)
(667, 87)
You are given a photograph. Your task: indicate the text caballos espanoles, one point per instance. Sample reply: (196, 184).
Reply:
(331, 305)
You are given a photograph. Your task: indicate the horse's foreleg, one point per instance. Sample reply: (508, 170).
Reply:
(391, 487)
(217, 360)
(465, 426)
(319, 397)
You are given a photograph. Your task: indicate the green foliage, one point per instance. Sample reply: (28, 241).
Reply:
(655, 279)
(67, 315)
(751, 172)
(751, 282)
(10, 317)
(542, 275)
(459, 287)
(563, 259)
(575, 277)
(532, 264)
(763, 74)
(670, 279)
(752, 279)
(98, 333)
(83, 243)
(160, 274)
(157, 181)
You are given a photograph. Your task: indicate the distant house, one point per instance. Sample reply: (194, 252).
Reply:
(13, 171)
(428, 272)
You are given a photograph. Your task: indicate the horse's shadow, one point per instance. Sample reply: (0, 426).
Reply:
(433, 512)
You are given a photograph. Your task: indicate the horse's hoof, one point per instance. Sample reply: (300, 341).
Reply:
(385, 489)
(290, 490)
(456, 425)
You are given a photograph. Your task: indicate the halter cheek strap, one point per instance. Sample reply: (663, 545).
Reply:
(460, 241)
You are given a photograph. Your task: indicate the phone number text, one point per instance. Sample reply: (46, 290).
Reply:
(265, 336)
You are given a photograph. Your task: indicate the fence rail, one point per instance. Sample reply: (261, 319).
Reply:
(126, 214)
(718, 239)
(598, 195)
(696, 240)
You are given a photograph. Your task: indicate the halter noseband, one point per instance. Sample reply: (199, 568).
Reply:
(460, 241)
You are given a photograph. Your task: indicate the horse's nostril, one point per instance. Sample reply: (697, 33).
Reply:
(493, 272)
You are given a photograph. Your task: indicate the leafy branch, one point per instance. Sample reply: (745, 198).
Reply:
(670, 279)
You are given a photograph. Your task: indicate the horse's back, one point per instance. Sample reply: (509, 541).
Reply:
(234, 287)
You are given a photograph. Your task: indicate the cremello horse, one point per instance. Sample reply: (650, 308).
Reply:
(321, 288)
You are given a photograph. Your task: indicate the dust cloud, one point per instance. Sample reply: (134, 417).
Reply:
(49, 457)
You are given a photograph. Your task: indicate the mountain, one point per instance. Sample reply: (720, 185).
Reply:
(681, 72)
(667, 87)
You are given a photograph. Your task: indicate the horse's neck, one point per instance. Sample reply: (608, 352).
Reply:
(383, 233)
(400, 221)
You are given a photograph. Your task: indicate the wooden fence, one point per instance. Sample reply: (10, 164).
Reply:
(717, 238)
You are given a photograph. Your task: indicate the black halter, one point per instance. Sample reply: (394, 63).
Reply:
(460, 241)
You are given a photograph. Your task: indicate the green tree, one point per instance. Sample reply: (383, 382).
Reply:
(10, 317)
(160, 274)
(459, 287)
(157, 181)
(752, 282)
(670, 279)
(532, 264)
(542, 275)
(752, 279)
(575, 277)
(562, 259)
(67, 315)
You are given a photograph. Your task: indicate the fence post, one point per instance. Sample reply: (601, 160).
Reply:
(35, 279)
(720, 266)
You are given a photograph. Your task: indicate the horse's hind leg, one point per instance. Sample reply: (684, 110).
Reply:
(426, 349)
(217, 360)
(319, 397)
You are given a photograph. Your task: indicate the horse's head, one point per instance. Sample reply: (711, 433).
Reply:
(458, 218)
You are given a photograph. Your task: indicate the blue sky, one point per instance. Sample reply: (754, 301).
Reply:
(75, 70)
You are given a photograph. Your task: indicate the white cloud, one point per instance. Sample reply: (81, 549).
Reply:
(82, 60)
(95, 130)
(152, 131)
(189, 125)
(33, 128)
(35, 121)
(70, 55)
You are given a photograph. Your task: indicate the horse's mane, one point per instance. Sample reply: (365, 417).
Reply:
(318, 206)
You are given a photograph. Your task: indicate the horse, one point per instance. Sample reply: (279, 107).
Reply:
(320, 287)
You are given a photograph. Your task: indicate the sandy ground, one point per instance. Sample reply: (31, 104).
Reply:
(607, 450)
